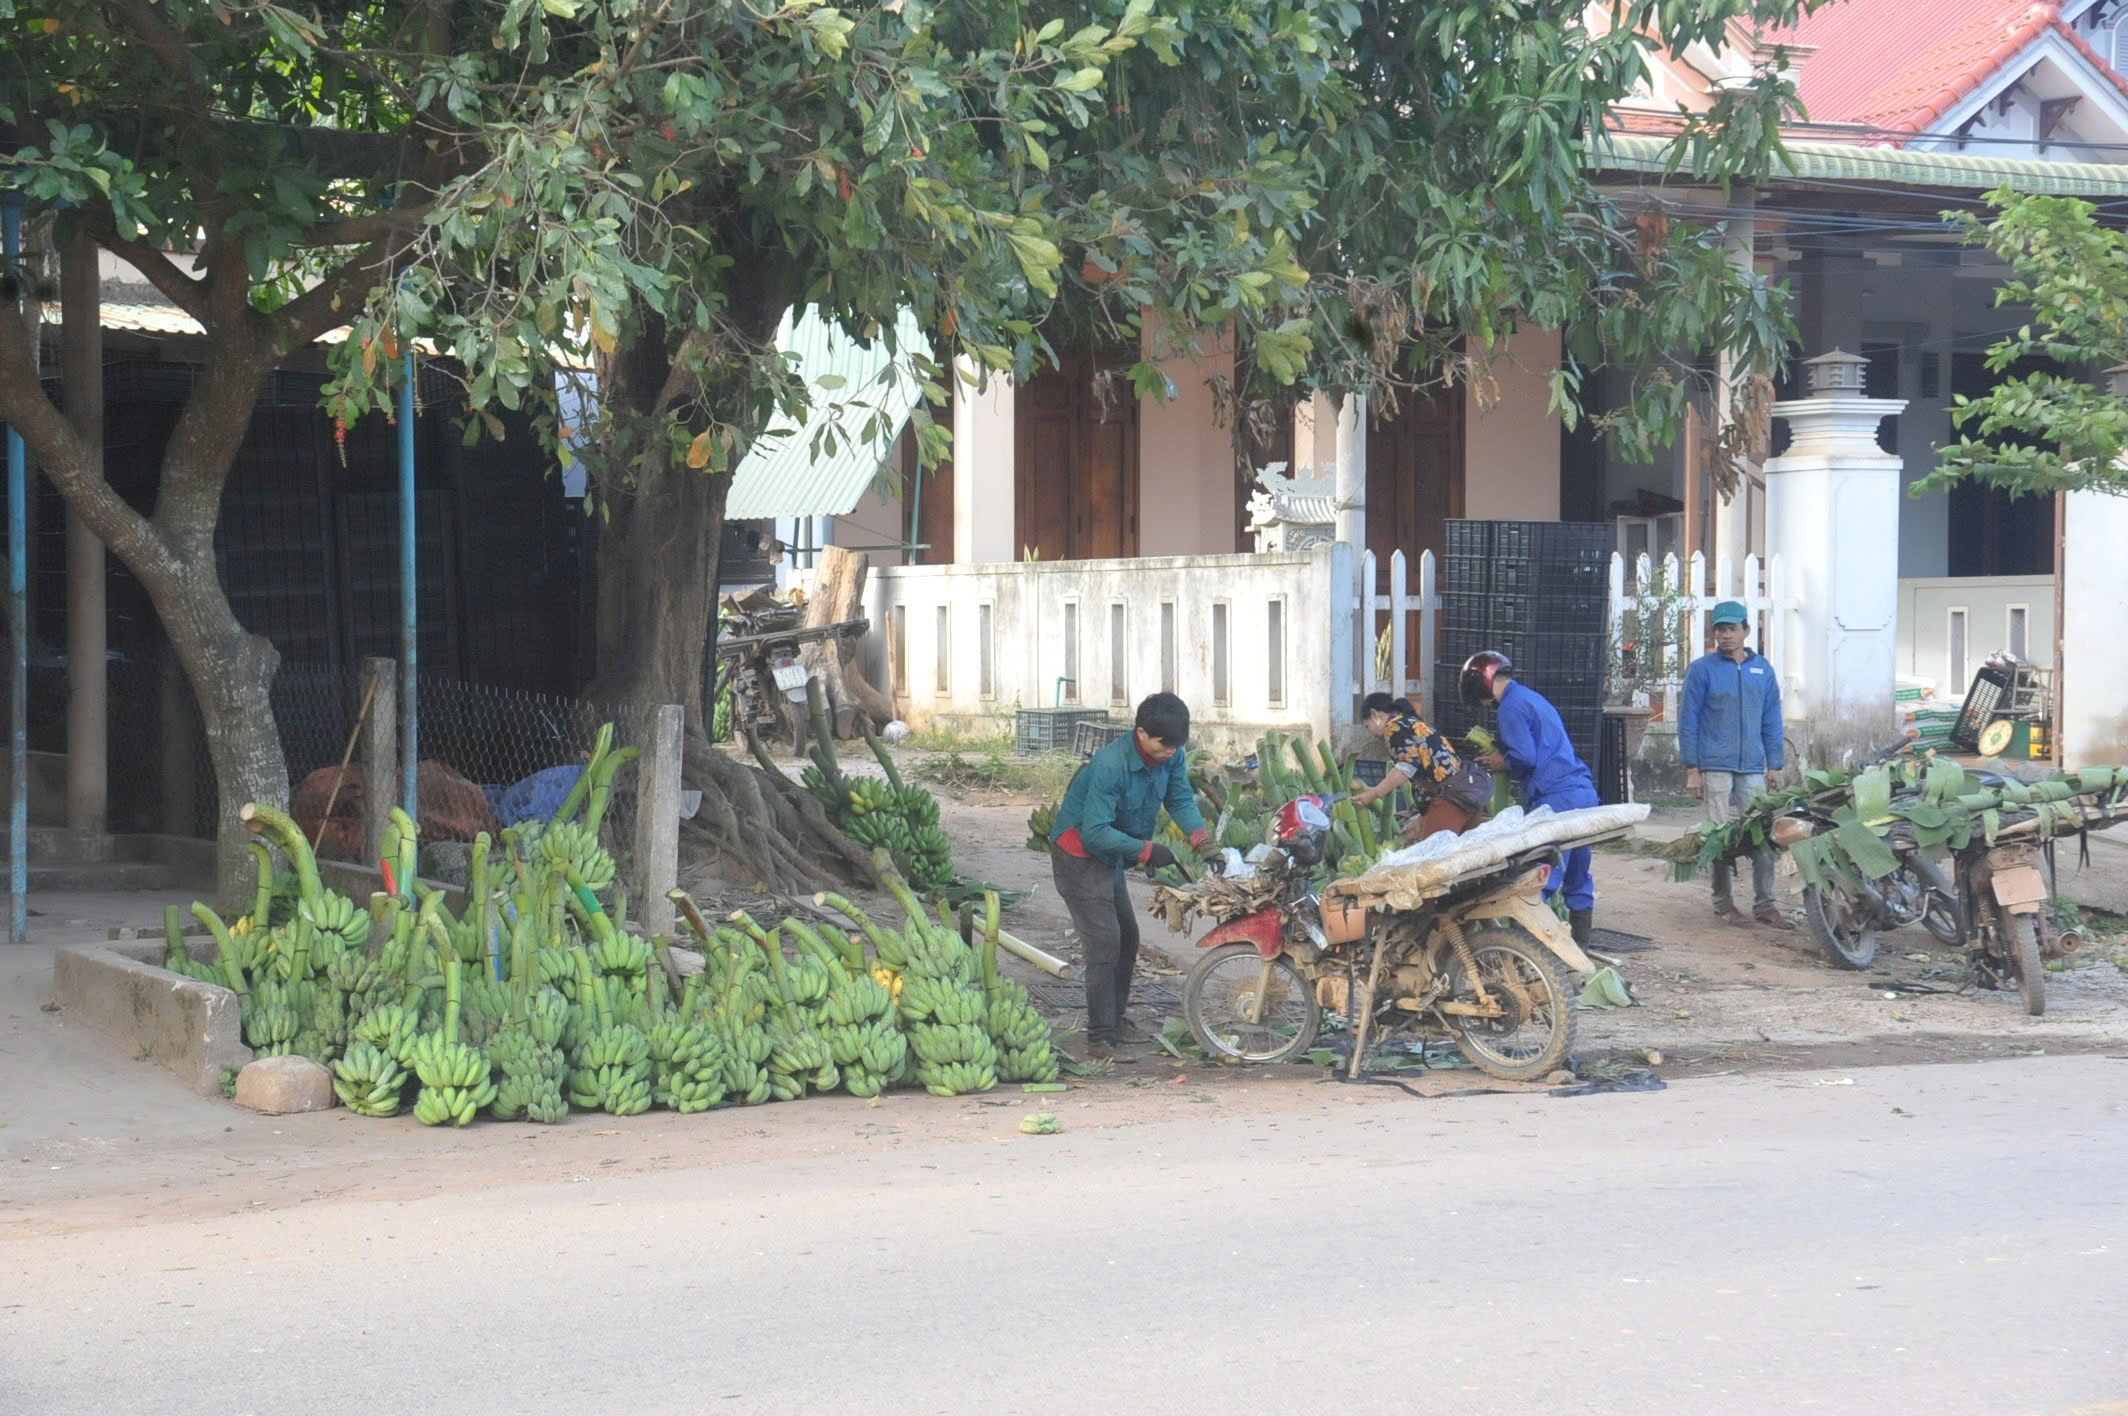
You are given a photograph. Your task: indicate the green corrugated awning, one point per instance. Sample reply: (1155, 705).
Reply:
(1888, 166)
(822, 468)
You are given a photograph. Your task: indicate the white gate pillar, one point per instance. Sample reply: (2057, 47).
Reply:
(1832, 513)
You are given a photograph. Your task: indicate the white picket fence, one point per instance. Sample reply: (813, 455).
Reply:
(1411, 605)
(1762, 589)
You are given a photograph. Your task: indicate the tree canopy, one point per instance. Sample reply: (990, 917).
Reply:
(2046, 431)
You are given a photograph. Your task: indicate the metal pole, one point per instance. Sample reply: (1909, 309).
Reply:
(18, 632)
(409, 705)
(88, 689)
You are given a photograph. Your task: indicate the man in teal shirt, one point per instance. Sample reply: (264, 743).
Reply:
(1105, 826)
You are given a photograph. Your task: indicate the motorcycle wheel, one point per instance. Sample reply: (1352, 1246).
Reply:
(2021, 933)
(1842, 927)
(1944, 921)
(1219, 1002)
(1513, 962)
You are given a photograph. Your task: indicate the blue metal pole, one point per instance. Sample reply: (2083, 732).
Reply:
(18, 631)
(409, 702)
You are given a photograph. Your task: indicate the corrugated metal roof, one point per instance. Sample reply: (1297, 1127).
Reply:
(822, 468)
(1840, 162)
(169, 319)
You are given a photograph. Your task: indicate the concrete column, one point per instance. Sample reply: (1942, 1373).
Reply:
(657, 819)
(2092, 674)
(985, 523)
(88, 694)
(1731, 530)
(1830, 500)
(1315, 435)
(380, 755)
(1352, 473)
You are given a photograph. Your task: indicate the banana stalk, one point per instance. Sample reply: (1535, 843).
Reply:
(582, 784)
(277, 827)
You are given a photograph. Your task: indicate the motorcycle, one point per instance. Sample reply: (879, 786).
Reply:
(1485, 962)
(1998, 903)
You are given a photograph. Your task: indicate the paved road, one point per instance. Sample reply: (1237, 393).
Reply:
(1943, 1240)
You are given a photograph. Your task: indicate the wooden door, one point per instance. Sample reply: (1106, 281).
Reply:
(1414, 476)
(1076, 468)
(1414, 487)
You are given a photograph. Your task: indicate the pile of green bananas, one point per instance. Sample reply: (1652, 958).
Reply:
(610, 1069)
(369, 1080)
(270, 1022)
(390, 1029)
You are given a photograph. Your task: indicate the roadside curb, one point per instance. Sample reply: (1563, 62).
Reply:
(193, 1029)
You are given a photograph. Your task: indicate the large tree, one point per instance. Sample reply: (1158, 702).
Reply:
(263, 182)
(1347, 190)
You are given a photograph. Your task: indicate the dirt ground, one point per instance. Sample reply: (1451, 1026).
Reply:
(92, 1139)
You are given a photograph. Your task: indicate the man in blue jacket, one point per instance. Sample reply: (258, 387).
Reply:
(1729, 734)
(1105, 826)
(1536, 752)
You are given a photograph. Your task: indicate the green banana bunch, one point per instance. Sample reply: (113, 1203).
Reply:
(572, 845)
(689, 1065)
(328, 1018)
(456, 1080)
(535, 1098)
(956, 1079)
(612, 1071)
(810, 982)
(270, 1026)
(547, 1017)
(486, 1006)
(823, 791)
(918, 807)
(368, 1080)
(1041, 822)
(1026, 1052)
(796, 1049)
(872, 795)
(335, 914)
(308, 1043)
(938, 1043)
(622, 956)
(746, 1053)
(390, 1029)
(558, 967)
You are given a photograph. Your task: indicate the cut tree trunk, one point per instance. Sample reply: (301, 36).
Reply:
(838, 596)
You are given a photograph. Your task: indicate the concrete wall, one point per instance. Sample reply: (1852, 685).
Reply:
(1051, 620)
(1925, 619)
(1511, 438)
(1186, 480)
(2094, 672)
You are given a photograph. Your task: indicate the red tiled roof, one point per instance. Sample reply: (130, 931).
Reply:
(1875, 63)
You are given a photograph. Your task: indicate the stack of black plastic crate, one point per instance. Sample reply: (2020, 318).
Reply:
(1538, 592)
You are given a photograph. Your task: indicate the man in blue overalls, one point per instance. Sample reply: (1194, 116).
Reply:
(1535, 751)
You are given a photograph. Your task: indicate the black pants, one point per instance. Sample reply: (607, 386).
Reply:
(1098, 897)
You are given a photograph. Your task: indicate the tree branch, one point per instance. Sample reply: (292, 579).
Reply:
(67, 460)
(362, 230)
(160, 40)
(177, 287)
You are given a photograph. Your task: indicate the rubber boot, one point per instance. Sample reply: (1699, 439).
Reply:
(1582, 923)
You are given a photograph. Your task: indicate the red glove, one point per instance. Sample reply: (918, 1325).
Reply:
(1197, 841)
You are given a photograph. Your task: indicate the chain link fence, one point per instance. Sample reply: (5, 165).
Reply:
(490, 757)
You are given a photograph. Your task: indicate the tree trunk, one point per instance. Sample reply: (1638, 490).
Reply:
(657, 572)
(838, 595)
(172, 555)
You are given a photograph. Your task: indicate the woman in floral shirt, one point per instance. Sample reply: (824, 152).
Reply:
(1452, 793)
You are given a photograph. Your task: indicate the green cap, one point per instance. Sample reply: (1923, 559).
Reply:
(1731, 612)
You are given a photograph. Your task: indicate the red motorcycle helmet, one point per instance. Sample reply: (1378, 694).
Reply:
(1479, 671)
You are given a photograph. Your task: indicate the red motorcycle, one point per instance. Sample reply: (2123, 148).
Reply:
(1485, 961)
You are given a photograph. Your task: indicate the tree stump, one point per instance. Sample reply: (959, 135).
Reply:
(837, 596)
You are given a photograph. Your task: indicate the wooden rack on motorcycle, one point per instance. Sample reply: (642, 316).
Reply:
(1868, 846)
(1452, 935)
